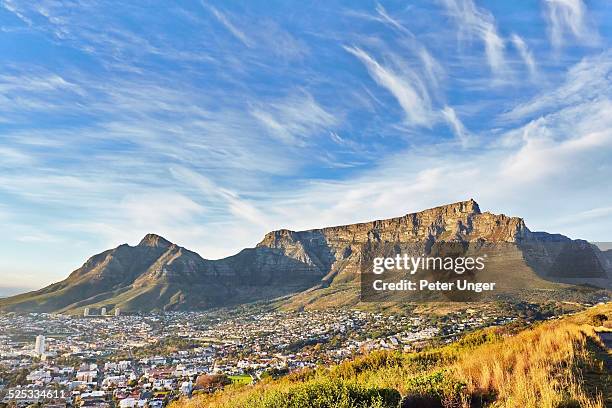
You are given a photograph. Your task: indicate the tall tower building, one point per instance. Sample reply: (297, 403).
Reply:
(103, 311)
(39, 347)
(86, 312)
(117, 312)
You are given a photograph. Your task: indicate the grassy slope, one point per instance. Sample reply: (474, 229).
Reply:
(558, 364)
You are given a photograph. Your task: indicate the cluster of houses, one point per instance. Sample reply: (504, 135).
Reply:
(106, 362)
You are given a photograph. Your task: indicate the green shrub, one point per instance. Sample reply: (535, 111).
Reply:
(479, 337)
(327, 394)
(437, 386)
(370, 362)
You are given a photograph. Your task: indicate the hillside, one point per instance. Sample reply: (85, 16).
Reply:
(159, 275)
(557, 364)
(318, 268)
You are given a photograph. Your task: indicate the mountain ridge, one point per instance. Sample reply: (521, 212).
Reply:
(157, 274)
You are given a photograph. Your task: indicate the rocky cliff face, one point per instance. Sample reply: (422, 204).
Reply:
(157, 274)
(458, 221)
(337, 250)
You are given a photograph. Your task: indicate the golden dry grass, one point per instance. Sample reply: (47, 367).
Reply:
(557, 364)
(538, 368)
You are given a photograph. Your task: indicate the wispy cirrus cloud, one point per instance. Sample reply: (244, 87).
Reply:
(294, 118)
(593, 214)
(586, 80)
(388, 19)
(472, 22)
(235, 31)
(238, 206)
(11, 156)
(568, 18)
(456, 125)
(431, 67)
(526, 55)
(405, 87)
(264, 35)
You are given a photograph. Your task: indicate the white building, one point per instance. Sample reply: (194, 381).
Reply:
(89, 376)
(39, 377)
(117, 312)
(86, 312)
(39, 347)
(186, 388)
(128, 403)
(103, 311)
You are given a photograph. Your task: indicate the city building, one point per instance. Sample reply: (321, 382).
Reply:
(103, 311)
(117, 312)
(86, 312)
(39, 347)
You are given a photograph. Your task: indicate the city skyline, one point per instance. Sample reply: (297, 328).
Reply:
(212, 124)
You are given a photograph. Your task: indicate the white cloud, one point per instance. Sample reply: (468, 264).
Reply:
(37, 237)
(405, 87)
(594, 214)
(150, 208)
(293, 119)
(260, 35)
(560, 141)
(569, 18)
(474, 21)
(235, 31)
(587, 80)
(34, 82)
(386, 18)
(526, 55)
(12, 157)
(34, 91)
(238, 207)
(10, 6)
(432, 69)
(456, 125)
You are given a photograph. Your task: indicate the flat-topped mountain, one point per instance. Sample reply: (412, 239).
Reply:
(159, 275)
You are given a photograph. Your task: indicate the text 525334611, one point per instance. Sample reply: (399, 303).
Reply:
(34, 394)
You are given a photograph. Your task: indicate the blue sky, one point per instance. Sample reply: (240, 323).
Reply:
(211, 123)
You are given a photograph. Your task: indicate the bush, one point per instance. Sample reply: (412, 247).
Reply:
(599, 319)
(432, 390)
(212, 382)
(327, 394)
(372, 361)
(479, 337)
(570, 403)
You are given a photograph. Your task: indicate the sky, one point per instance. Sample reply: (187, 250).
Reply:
(212, 123)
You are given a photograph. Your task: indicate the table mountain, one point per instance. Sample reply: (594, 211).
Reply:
(310, 265)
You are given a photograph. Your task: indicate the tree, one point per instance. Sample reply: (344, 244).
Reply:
(212, 382)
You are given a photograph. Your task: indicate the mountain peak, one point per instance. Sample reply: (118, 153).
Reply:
(458, 209)
(469, 206)
(154, 240)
